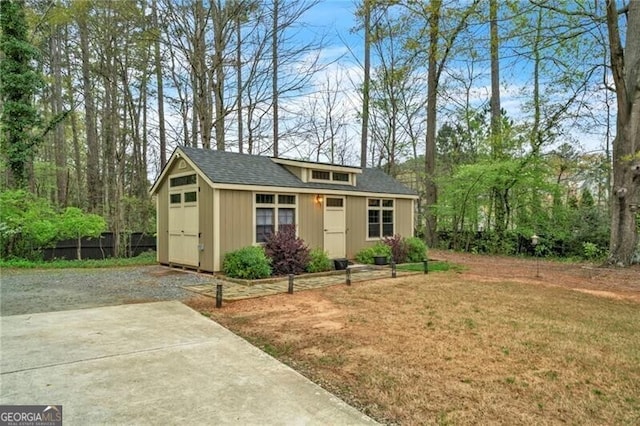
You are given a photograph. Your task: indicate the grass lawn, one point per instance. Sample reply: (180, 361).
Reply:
(447, 349)
(142, 259)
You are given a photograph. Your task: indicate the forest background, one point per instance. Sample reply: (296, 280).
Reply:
(510, 118)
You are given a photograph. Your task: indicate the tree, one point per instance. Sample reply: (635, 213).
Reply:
(625, 66)
(74, 223)
(365, 84)
(440, 43)
(19, 83)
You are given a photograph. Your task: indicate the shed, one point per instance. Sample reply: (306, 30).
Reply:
(212, 202)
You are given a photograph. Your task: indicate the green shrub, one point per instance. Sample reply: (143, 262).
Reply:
(378, 249)
(591, 251)
(319, 261)
(248, 263)
(416, 249)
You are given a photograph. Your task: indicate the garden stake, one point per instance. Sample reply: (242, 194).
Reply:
(426, 267)
(348, 276)
(393, 269)
(290, 283)
(218, 295)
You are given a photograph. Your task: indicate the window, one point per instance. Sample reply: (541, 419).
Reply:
(190, 197)
(273, 211)
(182, 180)
(338, 177)
(320, 175)
(264, 224)
(335, 202)
(175, 198)
(374, 223)
(387, 223)
(286, 199)
(379, 218)
(341, 177)
(264, 198)
(286, 216)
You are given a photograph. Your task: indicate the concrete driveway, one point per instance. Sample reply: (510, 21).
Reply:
(154, 363)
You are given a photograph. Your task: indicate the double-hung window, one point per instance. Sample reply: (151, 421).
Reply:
(380, 215)
(273, 211)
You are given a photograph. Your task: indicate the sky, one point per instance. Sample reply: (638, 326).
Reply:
(335, 19)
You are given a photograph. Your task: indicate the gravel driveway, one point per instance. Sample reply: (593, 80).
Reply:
(32, 291)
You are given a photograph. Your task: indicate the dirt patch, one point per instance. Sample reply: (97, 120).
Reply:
(598, 280)
(493, 343)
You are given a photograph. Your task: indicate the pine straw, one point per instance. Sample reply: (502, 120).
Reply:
(441, 348)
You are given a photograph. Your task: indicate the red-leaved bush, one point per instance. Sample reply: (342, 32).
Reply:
(289, 254)
(399, 249)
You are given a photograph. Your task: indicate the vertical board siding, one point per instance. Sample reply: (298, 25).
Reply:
(310, 221)
(236, 221)
(404, 225)
(356, 225)
(205, 206)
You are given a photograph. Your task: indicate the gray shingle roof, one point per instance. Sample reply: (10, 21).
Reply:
(245, 169)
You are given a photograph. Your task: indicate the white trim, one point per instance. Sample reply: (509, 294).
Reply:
(297, 190)
(178, 154)
(381, 209)
(275, 206)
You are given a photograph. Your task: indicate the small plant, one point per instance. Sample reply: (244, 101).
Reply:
(319, 261)
(288, 253)
(398, 246)
(416, 249)
(591, 251)
(247, 263)
(367, 254)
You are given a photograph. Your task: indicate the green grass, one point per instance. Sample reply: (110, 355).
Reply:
(148, 258)
(433, 266)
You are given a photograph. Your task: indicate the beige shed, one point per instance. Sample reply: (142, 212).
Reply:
(212, 202)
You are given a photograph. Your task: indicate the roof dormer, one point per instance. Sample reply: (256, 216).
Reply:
(321, 172)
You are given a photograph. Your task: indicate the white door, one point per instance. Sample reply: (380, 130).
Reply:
(183, 227)
(335, 225)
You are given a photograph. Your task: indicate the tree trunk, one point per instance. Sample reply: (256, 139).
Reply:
(238, 29)
(93, 157)
(218, 85)
(364, 136)
(496, 121)
(159, 86)
(625, 198)
(431, 191)
(57, 110)
(274, 59)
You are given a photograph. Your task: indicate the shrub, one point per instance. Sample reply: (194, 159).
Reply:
(591, 251)
(416, 249)
(366, 254)
(319, 261)
(288, 253)
(398, 246)
(247, 263)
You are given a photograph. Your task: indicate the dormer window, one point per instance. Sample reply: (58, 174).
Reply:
(340, 177)
(329, 176)
(320, 175)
